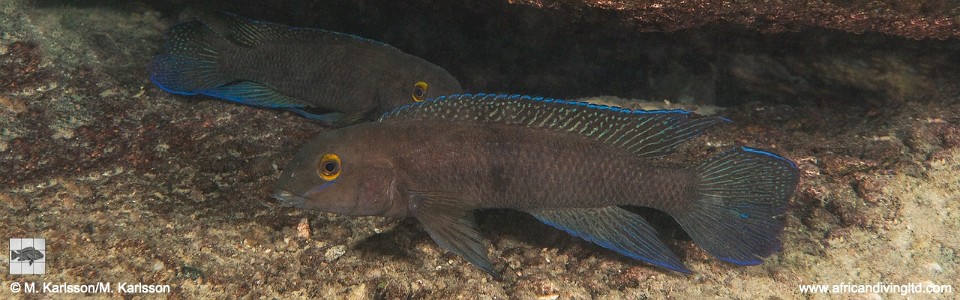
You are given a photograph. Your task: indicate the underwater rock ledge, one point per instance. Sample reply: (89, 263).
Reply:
(925, 19)
(912, 19)
(821, 52)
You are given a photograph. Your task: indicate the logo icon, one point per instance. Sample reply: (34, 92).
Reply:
(28, 256)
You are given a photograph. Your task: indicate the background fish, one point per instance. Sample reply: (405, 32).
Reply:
(343, 76)
(570, 164)
(28, 253)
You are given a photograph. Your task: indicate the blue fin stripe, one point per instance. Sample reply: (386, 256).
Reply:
(647, 133)
(740, 198)
(615, 229)
(761, 152)
(485, 96)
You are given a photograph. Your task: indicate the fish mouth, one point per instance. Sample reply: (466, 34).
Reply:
(288, 199)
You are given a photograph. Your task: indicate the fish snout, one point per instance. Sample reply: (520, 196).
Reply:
(288, 199)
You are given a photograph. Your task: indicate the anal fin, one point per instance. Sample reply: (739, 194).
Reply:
(452, 226)
(616, 229)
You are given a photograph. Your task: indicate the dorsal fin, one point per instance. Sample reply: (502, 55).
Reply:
(646, 133)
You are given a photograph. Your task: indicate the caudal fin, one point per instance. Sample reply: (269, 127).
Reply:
(188, 63)
(741, 197)
(14, 255)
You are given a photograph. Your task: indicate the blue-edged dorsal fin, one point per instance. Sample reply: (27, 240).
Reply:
(452, 226)
(616, 229)
(646, 133)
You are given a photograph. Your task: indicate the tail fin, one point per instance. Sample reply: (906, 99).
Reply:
(740, 199)
(188, 62)
(14, 255)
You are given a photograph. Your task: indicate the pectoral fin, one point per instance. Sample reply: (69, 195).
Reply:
(616, 229)
(253, 93)
(452, 226)
(332, 119)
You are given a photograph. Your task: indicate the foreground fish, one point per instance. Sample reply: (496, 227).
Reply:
(303, 70)
(28, 253)
(570, 164)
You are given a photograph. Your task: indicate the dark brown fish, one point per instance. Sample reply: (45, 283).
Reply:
(570, 164)
(333, 77)
(29, 253)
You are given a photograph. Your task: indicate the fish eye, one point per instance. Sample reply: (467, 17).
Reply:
(329, 167)
(420, 91)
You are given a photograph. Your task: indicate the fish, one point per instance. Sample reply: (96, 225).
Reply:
(332, 77)
(573, 165)
(29, 253)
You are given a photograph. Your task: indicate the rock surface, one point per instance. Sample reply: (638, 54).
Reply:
(128, 183)
(705, 52)
(913, 19)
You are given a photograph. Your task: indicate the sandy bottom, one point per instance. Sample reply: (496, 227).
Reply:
(127, 183)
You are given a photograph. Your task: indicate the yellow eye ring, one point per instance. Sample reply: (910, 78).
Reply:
(420, 91)
(329, 167)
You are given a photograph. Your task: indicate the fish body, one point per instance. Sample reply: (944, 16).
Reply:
(334, 77)
(29, 253)
(570, 164)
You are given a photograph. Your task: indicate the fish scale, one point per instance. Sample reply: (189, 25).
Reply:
(569, 164)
